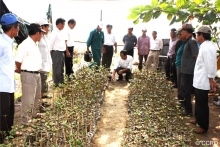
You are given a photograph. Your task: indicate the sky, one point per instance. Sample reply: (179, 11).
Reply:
(87, 15)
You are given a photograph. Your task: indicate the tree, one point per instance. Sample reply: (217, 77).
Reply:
(206, 12)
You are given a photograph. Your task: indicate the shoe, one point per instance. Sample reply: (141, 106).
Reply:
(42, 109)
(199, 130)
(46, 97)
(119, 79)
(185, 113)
(217, 102)
(46, 104)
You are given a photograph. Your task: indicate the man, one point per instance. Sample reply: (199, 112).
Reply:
(190, 53)
(46, 61)
(96, 40)
(10, 27)
(170, 62)
(123, 65)
(203, 81)
(57, 47)
(70, 46)
(28, 64)
(109, 42)
(130, 42)
(143, 46)
(155, 46)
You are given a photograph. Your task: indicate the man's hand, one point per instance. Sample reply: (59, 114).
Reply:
(18, 70)
(116, 51)
(120, 71)
(212, 84)
(68, 54)
(103, 50)
(88, 50)
(113, 77)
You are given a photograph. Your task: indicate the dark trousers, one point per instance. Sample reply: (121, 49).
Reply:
(107, 56)
(170, 69)
(202, 108)
(128, 73)
(69, 61)
(131, 52)
(185, 91)
(58, 66)
(178, 73)
(141, 61)
(6, 113)
(96, 56)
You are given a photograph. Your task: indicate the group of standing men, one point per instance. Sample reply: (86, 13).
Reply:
(35, 57)
(192, 64)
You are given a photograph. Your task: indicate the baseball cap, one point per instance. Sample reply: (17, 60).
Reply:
(35, 27)
(8, 19)
(100, 24)
(144, 29)
(43, 21)
(178, 32)
(204, 29)
(187, 26)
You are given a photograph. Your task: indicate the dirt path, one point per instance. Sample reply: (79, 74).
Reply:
(114, 115)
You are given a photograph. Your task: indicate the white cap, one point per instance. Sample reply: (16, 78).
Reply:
(43, 21)
(100, 24)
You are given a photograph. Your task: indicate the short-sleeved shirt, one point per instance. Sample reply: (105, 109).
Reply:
(129, 42)
(70, 38)
(57, 40)
(190, 52)
(96, 39)
(109, 39)
(29, 56)
(143, 45)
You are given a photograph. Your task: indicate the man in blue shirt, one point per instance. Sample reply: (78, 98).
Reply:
(10, 27)
(96, 40)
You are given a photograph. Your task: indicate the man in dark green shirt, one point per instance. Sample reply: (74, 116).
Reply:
(96, 40)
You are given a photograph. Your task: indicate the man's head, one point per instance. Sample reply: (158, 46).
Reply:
(109, 28)
(187, 30)
(123, 54)
(44, 25)
(71, 23)
(10, 24)
(178, 33)
(203, 34)
(35, 31)
(60, 23)
(100, 26)
(154, 34)
(144, 31)
(173, 33)
(130, 30)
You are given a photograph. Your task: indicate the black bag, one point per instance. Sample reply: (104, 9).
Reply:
(88, 56)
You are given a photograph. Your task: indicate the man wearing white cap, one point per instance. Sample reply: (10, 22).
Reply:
(96, 40)
(10, 26)
(44, 47)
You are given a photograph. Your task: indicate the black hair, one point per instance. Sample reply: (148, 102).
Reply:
(190, 31)
(7, 28)
(130, 28)
(72, 21)
(124, 52)
(108, 26)
(173, 30)
(60, 20)
(32, 32)
(45, 25)
(155, 32)
(206, 36)
(194, 35)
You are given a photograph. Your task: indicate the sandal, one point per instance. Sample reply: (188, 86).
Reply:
(193, 122)
(199, 130)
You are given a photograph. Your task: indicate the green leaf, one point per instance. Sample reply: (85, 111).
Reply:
(169, 16)
(180, 3)
(163, 5)
(217, 4)
(154, 3)
(198, 1)
(133, 16)
(170, 9)
(173, 20)
(156, 14)
(147, 16)
(136, 21)
(147, 7)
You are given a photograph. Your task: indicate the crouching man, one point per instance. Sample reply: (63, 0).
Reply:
(123, 65)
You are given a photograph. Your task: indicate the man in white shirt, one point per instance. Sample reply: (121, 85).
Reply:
(123, 65)
(155, 46)
(44, 46)
(108, 50)
(70, 45)
(28, 64)
(58, 47)
(10, 26)
(203, 81)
